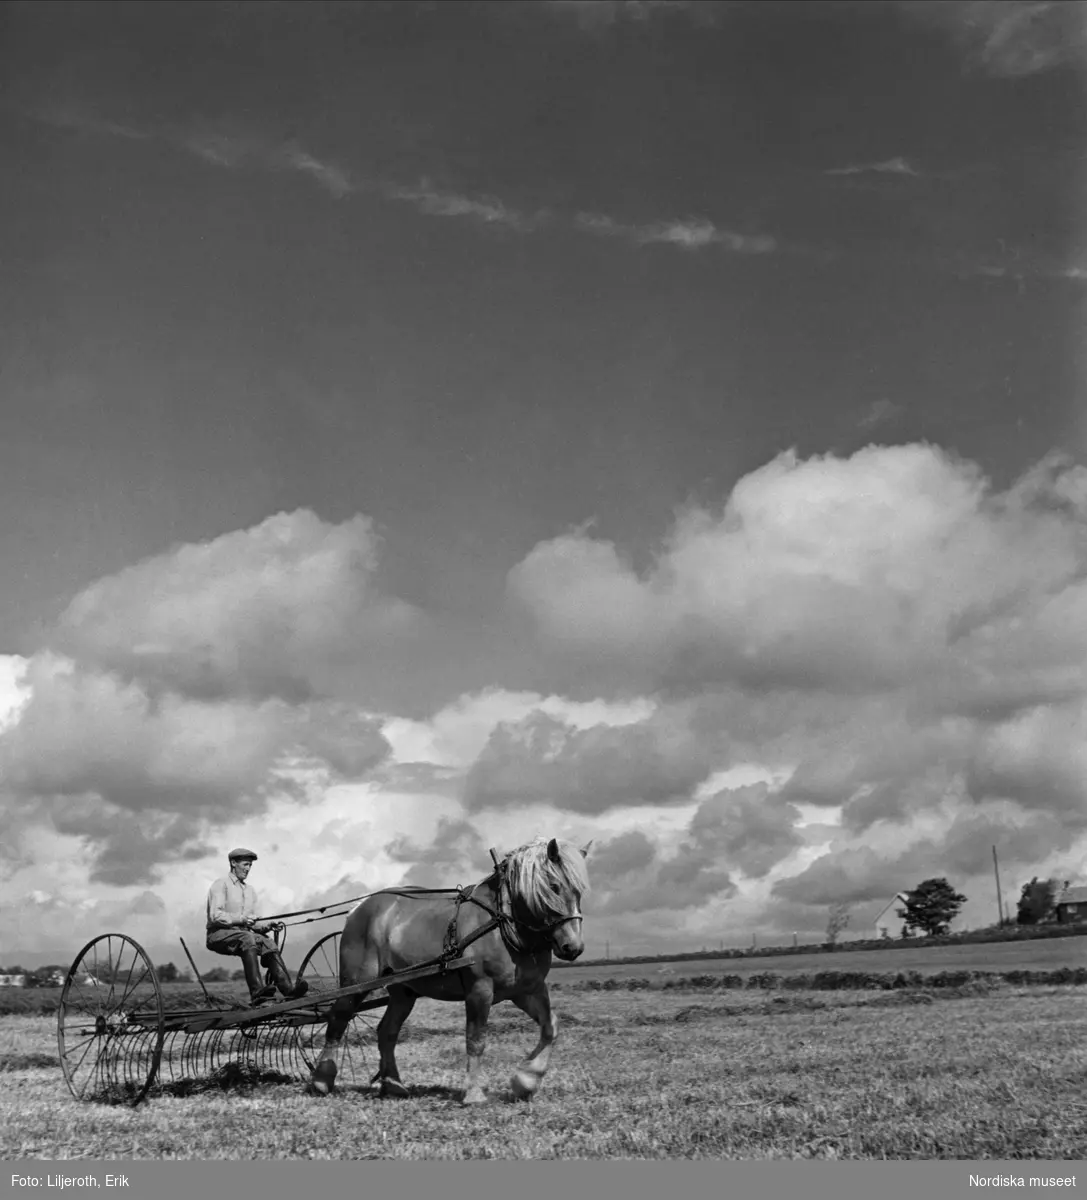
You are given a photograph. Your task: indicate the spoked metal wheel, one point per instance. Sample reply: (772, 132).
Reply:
(110, 1022)
(358, 1050)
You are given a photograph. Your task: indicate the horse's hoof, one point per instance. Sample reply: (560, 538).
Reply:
(393, 1089)
(475, 1096)
(525, 1084)
(324, 1079)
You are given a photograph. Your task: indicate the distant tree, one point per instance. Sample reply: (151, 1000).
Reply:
(932, 906)
(1037, 901)
(167, 973)
(237, 975)
(837, 922)
(183, 977)
(46, 977)
(216, 975)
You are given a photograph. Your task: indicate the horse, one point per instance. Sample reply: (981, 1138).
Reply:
(507, 925)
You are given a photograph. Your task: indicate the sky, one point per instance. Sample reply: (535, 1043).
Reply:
(426, 426)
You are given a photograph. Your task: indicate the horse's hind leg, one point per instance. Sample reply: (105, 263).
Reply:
(400, 1005)
(323, 1079)
(529, 1075)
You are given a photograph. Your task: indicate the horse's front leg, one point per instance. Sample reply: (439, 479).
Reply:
(529, 1075)
(477, 1007)
(323, 1079)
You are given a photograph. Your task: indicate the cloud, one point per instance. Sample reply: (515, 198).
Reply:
(891, 166)
(631, 875)
(92, 733)
(1003, 38)
(42, 921)
(333, 179)
(880, 412)
(190, 693)
(955, 842)
(262, 612)
(1007, 38)
(456, 734)
(234, 152)
(747, 827)
(847, 574)
(900, 642)
(138, 778)
(694, 233)
(543, 760)
(487, 209)
(455, 855)
(597, 14)
(854, 673)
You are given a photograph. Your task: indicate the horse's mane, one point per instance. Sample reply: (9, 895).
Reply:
(531, 872)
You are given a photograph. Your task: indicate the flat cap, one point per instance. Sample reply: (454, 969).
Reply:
(240, 852)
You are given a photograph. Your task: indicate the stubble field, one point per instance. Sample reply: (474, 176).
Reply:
(984, 1071)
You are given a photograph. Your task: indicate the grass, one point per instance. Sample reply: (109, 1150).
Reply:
(984, 1071)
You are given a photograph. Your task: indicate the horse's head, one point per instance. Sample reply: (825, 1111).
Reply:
(548, 880)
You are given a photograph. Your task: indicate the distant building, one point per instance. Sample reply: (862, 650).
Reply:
(12, 981)
(888, 922)
(1070, 906)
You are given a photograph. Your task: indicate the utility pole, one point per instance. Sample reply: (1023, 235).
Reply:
(999, 898)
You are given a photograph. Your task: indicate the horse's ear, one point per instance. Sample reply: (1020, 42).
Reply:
(586, 848)
(553, 851)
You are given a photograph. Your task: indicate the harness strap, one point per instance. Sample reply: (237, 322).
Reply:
(505, 922)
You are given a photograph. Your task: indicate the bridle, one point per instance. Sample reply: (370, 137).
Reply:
(503, 918)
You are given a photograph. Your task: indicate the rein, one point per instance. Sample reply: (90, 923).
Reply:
(505, 922)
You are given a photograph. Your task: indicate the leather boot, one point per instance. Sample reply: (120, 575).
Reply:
(281, 977)
(258, 991)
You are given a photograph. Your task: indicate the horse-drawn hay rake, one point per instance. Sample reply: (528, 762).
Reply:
(475, 946)
(117, 1038)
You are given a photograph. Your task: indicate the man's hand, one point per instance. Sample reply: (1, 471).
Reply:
(249, 922)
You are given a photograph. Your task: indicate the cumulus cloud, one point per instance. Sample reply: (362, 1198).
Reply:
(856, 673)
(846, 574)
(142, 777)
(900, 641)
(93, 733)
(747, 827)
(457, 733)
(454, 855)
(630, 875)
(543, 760)
(259, 612)
(189, 693)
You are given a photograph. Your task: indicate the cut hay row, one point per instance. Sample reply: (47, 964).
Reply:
(835, 981)
(45, 1001)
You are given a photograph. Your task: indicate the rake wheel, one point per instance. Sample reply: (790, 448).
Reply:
(110, 1022)
(321, 970)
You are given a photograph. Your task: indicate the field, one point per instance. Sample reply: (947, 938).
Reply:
(981, 1071)
(1041, 954)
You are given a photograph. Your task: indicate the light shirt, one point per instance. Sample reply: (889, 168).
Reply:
(228, 900)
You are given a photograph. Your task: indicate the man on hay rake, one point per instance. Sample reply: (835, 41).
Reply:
(233, 929)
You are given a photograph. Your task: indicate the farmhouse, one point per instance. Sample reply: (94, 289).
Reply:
(887, 918)
(12, 981)
(1070, 906)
